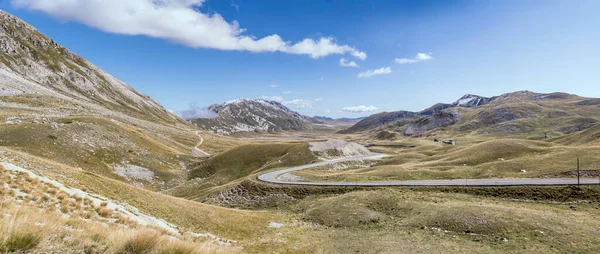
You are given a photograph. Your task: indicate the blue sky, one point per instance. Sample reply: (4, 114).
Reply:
(424, 51)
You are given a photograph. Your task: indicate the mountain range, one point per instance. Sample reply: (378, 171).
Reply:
(524, 112)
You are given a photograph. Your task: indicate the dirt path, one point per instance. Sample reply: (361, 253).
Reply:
(196, 152)
(274, 177)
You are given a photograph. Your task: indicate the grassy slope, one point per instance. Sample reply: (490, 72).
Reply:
(590, 136)
(41, 218)
(248, 227)
(389, 220)
(95, 143)
(473, 157)
(232, 166)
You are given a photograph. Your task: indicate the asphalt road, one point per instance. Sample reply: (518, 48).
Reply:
(274, 177)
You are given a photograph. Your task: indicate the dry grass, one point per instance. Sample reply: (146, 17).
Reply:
(22, 229)
(104, 212)
(388, 220)
(26, 228)
(474, 157)
(40, 226)
(143, 242)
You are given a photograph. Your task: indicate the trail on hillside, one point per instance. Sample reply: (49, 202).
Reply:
(274, 177)
(197, 152)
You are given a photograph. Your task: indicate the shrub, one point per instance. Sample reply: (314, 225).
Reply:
(45, 198)
(104, 212)
(178, 247)
(142, 242)
(19, 241)
(62, 195)
(52, 191)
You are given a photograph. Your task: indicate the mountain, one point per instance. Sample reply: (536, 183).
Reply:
(247, 115)
(526, 113)
(344, 119)
(57, 105)
(35, 64)
(324, 118)
(435, 108)
(377, 120)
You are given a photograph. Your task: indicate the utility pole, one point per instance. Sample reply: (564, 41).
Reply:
(578, 183)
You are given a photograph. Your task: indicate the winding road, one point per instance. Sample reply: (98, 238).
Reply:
(196, 152)
(275, 178)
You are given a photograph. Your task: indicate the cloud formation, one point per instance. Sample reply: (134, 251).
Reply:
(370, 73)
(179, 21)
(344, 62)
(299, 103)
(195, 112)
(418, 58)
(296, 103)
(360, 109)
(272, 98)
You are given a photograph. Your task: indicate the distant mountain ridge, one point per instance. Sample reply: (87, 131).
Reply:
(247, 115)
(325, 118)
(523, 112)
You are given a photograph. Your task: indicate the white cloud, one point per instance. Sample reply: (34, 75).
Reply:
(418, 58)
(299, 103)
(272, 98)
(179, 21)
(345, 63)
(296, 103)
(359, 54)
(380, 71)
(287, 92)
(274, 85)
(237, 7)
(195, 112)
(360, 109)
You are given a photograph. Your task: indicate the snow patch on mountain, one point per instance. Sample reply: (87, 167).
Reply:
(470, 100)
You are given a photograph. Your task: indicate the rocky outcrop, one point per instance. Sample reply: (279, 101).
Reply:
(378, 120)
(471, 100)
(427, 123)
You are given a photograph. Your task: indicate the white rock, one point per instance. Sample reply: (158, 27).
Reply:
(275, 225)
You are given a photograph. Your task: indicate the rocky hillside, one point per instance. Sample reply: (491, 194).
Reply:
(378, 120)
(35, 65)
(534, 115)
(56, 105)
(246, 115)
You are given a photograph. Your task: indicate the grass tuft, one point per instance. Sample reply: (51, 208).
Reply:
(142, 242)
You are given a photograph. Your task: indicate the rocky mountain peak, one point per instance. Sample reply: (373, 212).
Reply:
(471, 100)
(248, 115)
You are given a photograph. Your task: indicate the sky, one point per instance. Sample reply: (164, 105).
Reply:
(332, 57)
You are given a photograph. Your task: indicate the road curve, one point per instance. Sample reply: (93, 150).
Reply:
(273, 177)
(197, 152)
